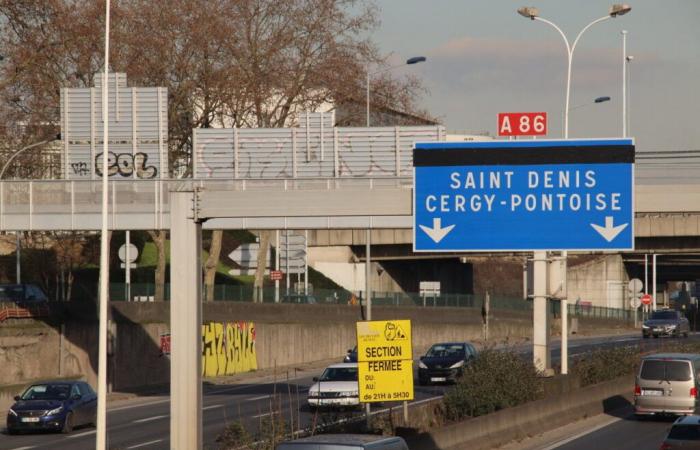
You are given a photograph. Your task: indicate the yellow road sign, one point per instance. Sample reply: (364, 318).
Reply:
(381, 340)
(385, 360)
(385, 381)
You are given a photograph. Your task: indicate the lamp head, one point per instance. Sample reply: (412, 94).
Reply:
(415, 60)
(529, 12)
(619, 9)
(602, 99)
(629, 58)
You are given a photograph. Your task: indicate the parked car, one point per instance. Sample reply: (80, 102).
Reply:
(666, 323)
(351, 356)
(53, 405)
(684, 434)
(22, 294)
(345, 442)
(337, 387)
(444, 362)
(667, 383)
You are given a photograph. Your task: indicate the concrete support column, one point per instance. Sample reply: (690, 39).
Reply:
(185, 324)
(541, 354)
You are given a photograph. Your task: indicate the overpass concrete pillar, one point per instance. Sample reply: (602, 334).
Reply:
(185, 324)
(541, 354)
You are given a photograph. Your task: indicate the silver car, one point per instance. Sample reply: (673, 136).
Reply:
(667, 383)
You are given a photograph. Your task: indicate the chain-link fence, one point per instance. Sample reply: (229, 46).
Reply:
(144, 292)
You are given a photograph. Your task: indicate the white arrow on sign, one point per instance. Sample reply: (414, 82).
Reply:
(437, 233)
(609, 232)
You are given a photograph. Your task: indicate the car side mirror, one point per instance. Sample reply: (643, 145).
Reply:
(315, 379)
(77, 397)
(17, 398)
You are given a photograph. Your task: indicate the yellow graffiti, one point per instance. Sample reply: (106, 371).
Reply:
(228, 348)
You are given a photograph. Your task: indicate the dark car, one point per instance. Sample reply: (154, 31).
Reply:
(665, 323)
(685, 434)
(23, 294)
(444, 362)
(53, 405)
(351, 356)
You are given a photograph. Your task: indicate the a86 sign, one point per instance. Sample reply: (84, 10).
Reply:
(522, 124)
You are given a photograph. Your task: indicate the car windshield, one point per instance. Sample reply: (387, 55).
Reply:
(446, 351)
(664, 315)
(47, 392)
(665, 370)
(685, 433)
(339, 374)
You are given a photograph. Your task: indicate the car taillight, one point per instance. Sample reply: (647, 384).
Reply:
(665, 446)
(694, 392)
(637, 390)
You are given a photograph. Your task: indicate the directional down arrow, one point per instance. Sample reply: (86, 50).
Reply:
(609, 232)
(437, 233)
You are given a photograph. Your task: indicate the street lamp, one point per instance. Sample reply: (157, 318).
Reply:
(409, 61)
(18, 270)
(532, 13)
(596, 100)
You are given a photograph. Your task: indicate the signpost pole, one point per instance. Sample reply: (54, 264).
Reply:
(368, 296)
(653, 282)
(564, 320)
(277, 265)
(540, 351)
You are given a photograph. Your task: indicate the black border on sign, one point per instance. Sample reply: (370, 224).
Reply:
(508, 156)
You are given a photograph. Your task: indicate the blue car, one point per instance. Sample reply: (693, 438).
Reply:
(53, 406)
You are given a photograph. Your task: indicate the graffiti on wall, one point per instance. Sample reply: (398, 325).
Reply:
(124, 164)
(228, 348)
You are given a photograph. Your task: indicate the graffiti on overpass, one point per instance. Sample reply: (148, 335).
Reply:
(228, 348)
(124, 164)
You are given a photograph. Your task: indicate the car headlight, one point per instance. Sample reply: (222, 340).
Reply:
(12, 412)
(54, 411)
(422, 365)
(457, 365)
(349, 394)
(671, 326)
(645, 326)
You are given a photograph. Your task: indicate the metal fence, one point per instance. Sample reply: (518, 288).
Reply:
(145, 292)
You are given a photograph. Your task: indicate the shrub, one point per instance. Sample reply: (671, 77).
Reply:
(606, 364)
(497, 379)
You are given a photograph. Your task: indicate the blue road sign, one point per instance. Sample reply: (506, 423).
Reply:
(524, 195)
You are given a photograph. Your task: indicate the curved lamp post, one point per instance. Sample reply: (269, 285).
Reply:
(2, 173)
(409, 61)
(532, 13)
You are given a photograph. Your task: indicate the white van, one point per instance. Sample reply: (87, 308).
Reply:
(667, 383)
(345, 442)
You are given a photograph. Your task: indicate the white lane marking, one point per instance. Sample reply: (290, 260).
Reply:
(121, 408)
(23, 448)
(262, 415)
(212, 407)
(87, 433)
(253, 399)
(582, 434)
(149, 419)
(145, 444)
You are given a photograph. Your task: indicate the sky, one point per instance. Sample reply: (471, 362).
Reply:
(484, 58)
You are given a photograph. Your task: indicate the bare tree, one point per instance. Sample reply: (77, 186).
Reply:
(255, 63)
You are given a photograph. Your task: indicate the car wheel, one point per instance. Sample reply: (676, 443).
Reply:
(422, 382)
(68, 424)
(644, 336)
(656, 336)
(11, 431)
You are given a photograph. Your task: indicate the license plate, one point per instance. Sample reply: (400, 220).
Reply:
(438, 379)
(652, 392)
(30, 419)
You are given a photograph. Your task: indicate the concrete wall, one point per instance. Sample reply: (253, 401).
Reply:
(602, 281)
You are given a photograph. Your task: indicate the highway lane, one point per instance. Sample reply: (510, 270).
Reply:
(146, 425)
(624, 433)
